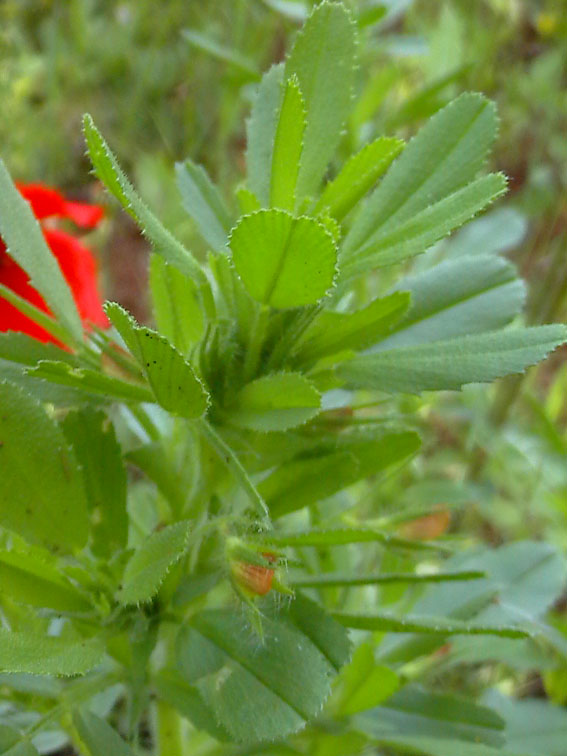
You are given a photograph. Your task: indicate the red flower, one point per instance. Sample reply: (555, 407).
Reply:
(75, 260)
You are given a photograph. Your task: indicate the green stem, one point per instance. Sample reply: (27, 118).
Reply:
(285, 345)
(255, 343)
(232, 462)
(168, 731)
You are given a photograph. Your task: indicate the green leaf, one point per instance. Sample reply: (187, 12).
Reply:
(112, 176)
(286, 678)
(34, 313)
(275, 403)
(13, 744)
(288, 143)
(328, 579)
(21, 348)
(332, 332)
(385, 622)
(149, 565)
(40, 485)
(304, 481)
(36, 654)
(24, 241)
(456, 298)
(172, 379)
(323, 60)
(92, 437)
(533, 726)
(447, 365)
(176, 304)
(187, 699)
(416, 713)
(226, 54)
(343, 536)
(283, 261)
(27, 578)
(442, 158)
(202, 200)
(98, 736)
(363, 683)
(357, 177)
(90, 381)
(396, 242)
(260, 133)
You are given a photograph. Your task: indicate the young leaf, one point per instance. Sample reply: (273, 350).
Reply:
(349, 581)
(112, 176)
(28, 579)
(385, 622)
(396, 242)
(323, 59)
(173, 382)
(456, 298)
(46, 655)
(92, 437)
(332, 332)
(90, 381)
(446, 365)
(415, 712)
(286, 678)
(98, 736)
(176, 305)
(275, 403)
(42, 495)
(149, 565)
(283, 261)
(305, 481)
(260, 134)
(342, 536)
(24, 241)
(202, 200)
(442, 158)
(357, 177)
(288, 143)
(13, 744)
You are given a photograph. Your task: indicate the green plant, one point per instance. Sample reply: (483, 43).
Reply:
(217, 584)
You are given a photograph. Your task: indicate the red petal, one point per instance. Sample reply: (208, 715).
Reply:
(86, 216)
(46, 201)
(79, 268)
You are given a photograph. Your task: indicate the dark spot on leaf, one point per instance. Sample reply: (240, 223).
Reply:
(147, 364)
(29, 511)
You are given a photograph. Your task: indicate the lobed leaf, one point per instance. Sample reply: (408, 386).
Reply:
(98, 736)
(458, 297)
(446, 365)
(24, 241)
(288, 143)
(357, 177)
(151, 562)
(286, 678)
(275, 402)
(172, 379)
(108, 170)
(323, 60)
(396, 242)
(203, 202)
(41, 490)
(333, 332)
(441, 159)
(283, 261)
(260, 134)
(92, 436)
(35, 654)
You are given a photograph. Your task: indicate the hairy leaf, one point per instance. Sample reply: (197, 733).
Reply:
(283, 261)
(288, 143)
(36, 654)
(202, 200)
